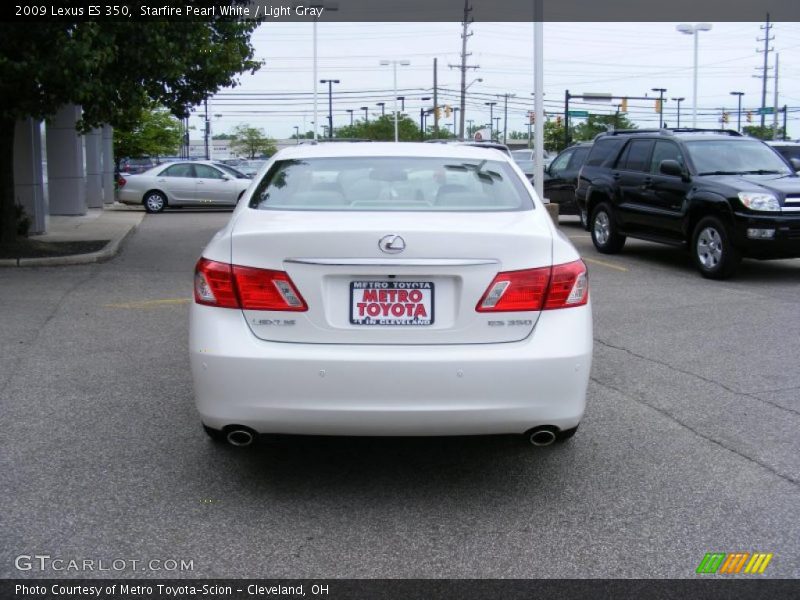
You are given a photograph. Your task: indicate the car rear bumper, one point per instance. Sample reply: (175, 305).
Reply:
(784, 244)
(332, 389)
(129, 197)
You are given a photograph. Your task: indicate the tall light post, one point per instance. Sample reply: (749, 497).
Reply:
(455, 119)
(297, 134)
(394, 63)
(694, 30)
(328, 6)
(350, 110)
(330, 83)
(739, 110)
(491, 106)
(422, 113)
(660, 105)
(465, 133)
(679, 100)
(383, 108)
(366, 113)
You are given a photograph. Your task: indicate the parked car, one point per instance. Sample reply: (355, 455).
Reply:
(561, 178)
(132, 166)
(722, 195)
(185, 183)
(251, 167)
(525, 159)
(788, 150)
(390, 289)
(482, 144)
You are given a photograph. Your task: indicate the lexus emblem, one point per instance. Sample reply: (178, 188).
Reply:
(392, 244)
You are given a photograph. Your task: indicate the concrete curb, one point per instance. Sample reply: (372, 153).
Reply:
(105, 253)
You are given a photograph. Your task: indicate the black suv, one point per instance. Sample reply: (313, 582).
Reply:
(723, 195)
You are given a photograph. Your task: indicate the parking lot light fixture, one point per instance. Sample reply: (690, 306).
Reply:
(394, 63)
(739, 110)
(694, 30)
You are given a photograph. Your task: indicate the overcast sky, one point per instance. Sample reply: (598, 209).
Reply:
(617, 58)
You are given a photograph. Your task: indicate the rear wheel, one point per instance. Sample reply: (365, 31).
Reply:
(154, 202)
(604, 231)
(712, 251)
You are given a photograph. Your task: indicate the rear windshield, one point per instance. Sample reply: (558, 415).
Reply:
(391, 184)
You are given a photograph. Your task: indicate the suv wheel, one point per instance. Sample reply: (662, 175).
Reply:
(604, 233)
(712, 251)
(584, 216)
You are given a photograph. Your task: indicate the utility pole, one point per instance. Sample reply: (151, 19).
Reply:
(775, 108)
(767, 27)
(435, 100)
(465, 34)
(783, 133)
(505, 115)
(208, 125)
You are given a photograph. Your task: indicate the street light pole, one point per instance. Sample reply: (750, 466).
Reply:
(350, 110)
(695, 31)
(394, 63)
(297, 134)
(660, 105)
(383, 108)
(679, 100)
(491, 118)
(738, 111)
(455, 115)
(366, 113)
(330, 83)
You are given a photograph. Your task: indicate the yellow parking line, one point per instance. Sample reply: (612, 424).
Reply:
(605, 264)
(149, 303)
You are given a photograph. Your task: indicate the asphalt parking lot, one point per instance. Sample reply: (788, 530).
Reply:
(690, 443)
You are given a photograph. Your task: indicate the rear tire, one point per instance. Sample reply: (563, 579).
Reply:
(604, 232)
(712, 251)
(154, 202)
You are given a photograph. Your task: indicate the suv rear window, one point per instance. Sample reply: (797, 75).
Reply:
(391, 184)
(604, 151)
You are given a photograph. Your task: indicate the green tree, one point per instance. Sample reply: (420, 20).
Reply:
(222, 136)
(381, 129)
(763, 133)
(252, 141)
(587, 130)
(113, 69)
(157, 133)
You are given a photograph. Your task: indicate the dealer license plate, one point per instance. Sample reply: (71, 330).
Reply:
(405, 303)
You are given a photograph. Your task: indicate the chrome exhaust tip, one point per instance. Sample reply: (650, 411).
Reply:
(542, 437)
(240, 437)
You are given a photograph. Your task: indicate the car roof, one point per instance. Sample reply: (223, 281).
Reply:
(380, 149)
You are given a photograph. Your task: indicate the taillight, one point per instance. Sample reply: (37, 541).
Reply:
(263, 289)
(213, 284)
(516, 291)
(121, 181)
(231, 286)
(545, 288)
(569, 286)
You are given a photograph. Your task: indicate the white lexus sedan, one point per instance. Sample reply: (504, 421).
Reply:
(389, 289)
(186, 183)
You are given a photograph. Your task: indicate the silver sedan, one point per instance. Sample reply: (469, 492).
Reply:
(186, 183)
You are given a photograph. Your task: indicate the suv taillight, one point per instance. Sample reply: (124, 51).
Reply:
(545, 288)
(248, 288)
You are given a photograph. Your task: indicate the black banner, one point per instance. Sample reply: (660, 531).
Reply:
(397, 589)
(403, 10)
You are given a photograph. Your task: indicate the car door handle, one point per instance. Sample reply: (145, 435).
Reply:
(162, 180)
(200, 182)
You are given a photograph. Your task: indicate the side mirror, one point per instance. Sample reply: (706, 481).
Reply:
(226, 177)
(795, 163)
(671, 167)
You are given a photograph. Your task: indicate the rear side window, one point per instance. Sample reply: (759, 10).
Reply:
(604, 151)
(182, 170)
(391, 184)
(637, 156)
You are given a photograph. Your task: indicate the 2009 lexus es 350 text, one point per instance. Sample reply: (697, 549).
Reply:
(390, 290)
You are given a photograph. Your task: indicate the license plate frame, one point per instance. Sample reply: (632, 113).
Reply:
(411, 317)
